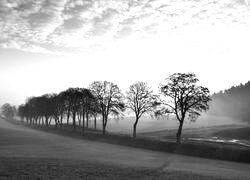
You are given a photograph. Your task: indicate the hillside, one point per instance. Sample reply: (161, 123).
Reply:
(233, 102)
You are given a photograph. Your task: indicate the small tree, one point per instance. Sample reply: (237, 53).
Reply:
(185, 98)
(109, 98)
(140, 100)
(8, 111)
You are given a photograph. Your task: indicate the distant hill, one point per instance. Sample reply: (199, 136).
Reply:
(233, 102)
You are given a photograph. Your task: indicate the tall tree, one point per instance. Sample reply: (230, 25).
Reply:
(46, 107)
(56, 108)
(87, 99)
(21, 111)
(75, 95)
(32, 110)
(184, 98)
(109, 98)
(72, 102)
(60, 107)
(66, 97)
(95, 111)
(141, 100)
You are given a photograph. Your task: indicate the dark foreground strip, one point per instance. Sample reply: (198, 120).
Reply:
(38, 168)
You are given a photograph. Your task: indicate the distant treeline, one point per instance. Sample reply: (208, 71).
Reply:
(233, 102)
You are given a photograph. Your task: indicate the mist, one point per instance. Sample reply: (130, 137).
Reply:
(150, 124)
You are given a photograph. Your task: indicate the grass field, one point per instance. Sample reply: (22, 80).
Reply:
(47, 153)
(35, 168)
(235, 133)
(154, 141)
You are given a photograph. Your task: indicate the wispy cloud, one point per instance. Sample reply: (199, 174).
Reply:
(81, 24)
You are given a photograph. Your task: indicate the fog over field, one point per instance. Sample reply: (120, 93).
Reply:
(149, 124)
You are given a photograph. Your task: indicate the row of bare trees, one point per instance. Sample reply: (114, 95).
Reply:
(181, 96)
(78, 104)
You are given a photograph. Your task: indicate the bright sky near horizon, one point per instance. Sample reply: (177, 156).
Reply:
(47, 46)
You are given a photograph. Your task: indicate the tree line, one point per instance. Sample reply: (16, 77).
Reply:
(179, 95)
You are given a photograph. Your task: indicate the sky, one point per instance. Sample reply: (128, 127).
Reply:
(47, 46)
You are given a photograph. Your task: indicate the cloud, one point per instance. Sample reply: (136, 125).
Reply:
(80, 24)
(41, 19)
(72, 24)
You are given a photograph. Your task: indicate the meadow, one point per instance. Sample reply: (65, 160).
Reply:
(41, 168)
(195, 140)
(31, 152)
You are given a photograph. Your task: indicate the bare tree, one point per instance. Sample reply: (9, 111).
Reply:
(185, 98)
(109, 99)
(141, 100)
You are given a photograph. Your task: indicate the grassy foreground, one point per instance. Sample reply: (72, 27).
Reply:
(198, 149)
(36, 168)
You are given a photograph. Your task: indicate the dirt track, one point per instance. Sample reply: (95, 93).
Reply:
(18, 141)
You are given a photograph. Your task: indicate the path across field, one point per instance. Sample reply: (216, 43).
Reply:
(19, 141)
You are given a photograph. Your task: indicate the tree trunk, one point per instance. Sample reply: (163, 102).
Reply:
(135, 125)
(36, 121)
(61, 119)
(178, 135)
(83, 123)
(74, 120)
(47, 121)
(79, 119)
(87, 119)
(50, 121)
(56, 121)
(68, 114)
(104, 123)
(95, 122)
